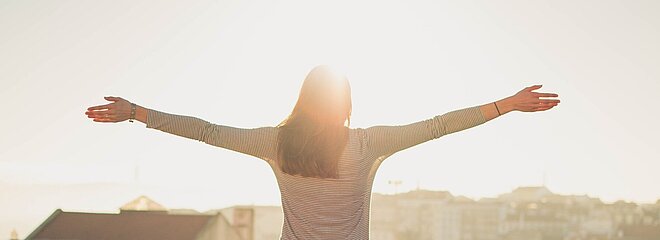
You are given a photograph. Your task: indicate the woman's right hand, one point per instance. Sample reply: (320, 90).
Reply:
(527, 101)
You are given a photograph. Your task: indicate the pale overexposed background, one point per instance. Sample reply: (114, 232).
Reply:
(241, 63)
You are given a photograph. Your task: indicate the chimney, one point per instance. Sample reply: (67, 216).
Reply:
(14, 235)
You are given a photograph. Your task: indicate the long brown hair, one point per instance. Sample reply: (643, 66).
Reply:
(312, 138)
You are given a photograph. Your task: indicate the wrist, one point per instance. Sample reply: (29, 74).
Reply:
(133, 108)
(141, 114)
(505, 105)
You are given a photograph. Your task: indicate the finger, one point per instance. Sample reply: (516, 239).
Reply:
(532, 105)
(546, 94)
(96, 113)
(542, 108)
(100, 107)
(109, 116)
(103, 120)
(533, 87)
(111, 98)
(551, 105)
(541, 102)
(104, 111)
(100, 113)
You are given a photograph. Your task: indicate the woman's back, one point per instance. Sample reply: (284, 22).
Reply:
(316, 208)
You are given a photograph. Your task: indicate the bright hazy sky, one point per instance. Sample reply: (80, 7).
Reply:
(241, 63)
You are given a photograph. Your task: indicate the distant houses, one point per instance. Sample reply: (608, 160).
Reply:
(254, 222)
(526, 213)
(144, 219)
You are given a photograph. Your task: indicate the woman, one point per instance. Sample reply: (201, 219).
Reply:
(324, 169)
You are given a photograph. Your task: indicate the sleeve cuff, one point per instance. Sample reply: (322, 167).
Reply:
(152, 117)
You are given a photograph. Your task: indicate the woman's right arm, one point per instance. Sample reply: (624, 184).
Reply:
(383, 141)
(525, 101)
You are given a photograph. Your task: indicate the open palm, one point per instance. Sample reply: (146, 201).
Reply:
(118, 111)
(527, 101)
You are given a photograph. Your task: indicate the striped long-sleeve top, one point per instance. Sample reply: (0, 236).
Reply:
(317, 208)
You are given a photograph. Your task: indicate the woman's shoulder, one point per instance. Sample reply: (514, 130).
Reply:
(353, 131)
(358, 133)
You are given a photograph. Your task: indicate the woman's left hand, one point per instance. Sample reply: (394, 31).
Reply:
(118, 111)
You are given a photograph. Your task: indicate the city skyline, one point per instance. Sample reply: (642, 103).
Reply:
(524, 195)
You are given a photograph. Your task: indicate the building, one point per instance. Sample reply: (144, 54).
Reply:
(255, 222)
(410, 215)
(13, 235)
(140, 219)
(526, 213)
(423, 214)
(527, 194)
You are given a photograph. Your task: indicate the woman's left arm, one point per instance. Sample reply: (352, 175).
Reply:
(257, 142)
